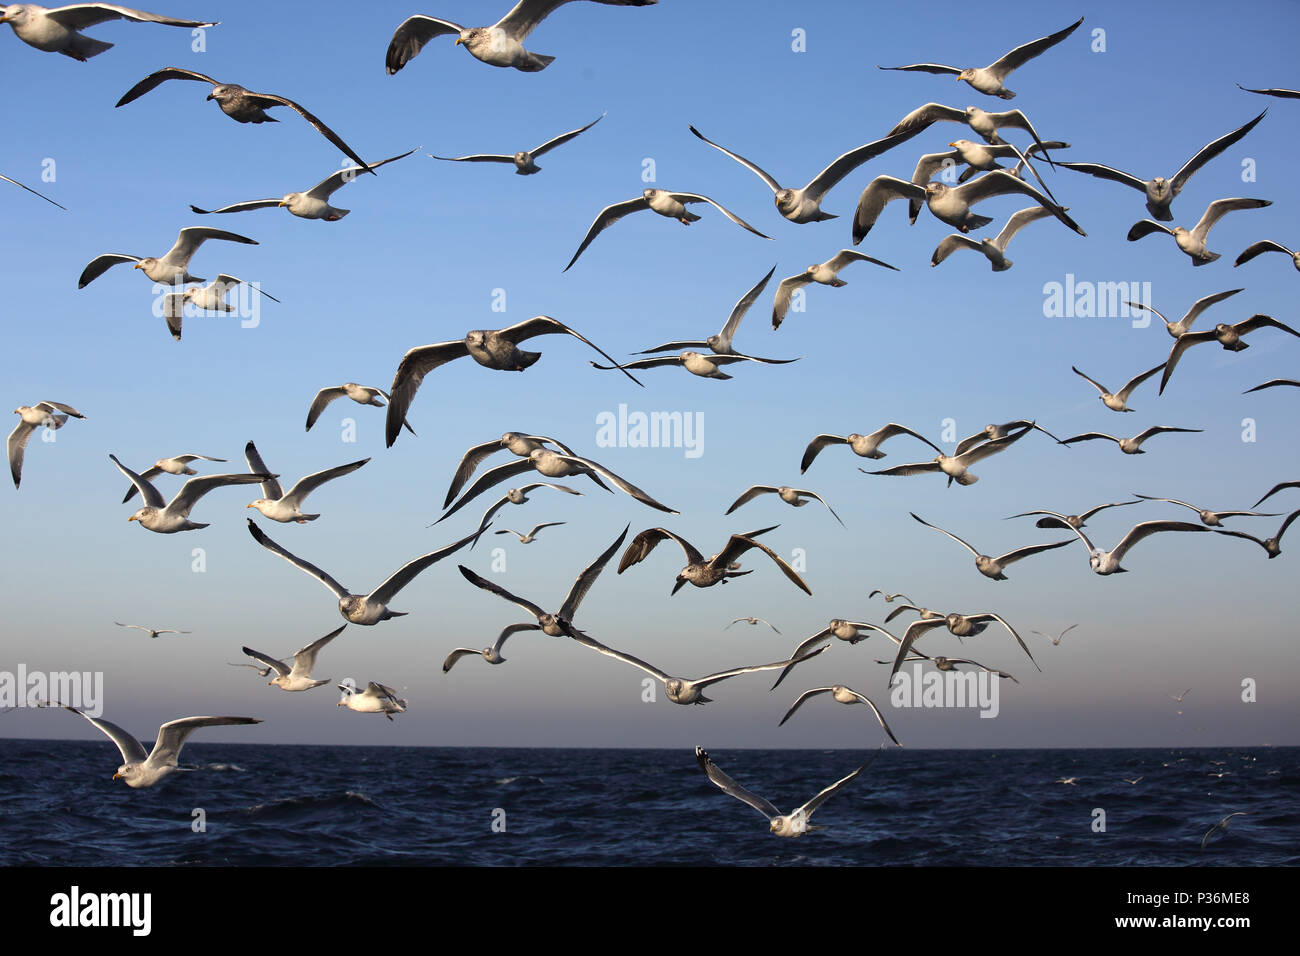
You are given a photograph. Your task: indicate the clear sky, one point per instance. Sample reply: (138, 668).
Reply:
(421, 259)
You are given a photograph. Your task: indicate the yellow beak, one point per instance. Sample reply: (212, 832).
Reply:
(458, 42)
(116, 775)
(137, 266)
(132, 518)
(248, 506)
(281, 203)
(4, 18)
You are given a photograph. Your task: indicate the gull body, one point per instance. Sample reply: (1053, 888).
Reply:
(284, 506)
(1108, 562)
(375, 699)
(55, 29)
(165, 517)
(298, 676)
(1192, 241)
(864, 446)
(30, 418)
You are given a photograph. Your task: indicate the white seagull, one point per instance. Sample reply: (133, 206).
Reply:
(753, 621)
(1129, 446)
(209, 298)
(720, 344)
(845, 695)
(825, 274)
(1229, 336)
(1211, 519)
(298, 677)
(375, 699)
(992, 567)
(1184, 324)
(31, 417)
(992, 249)
(1272, 546)
(531, 536)
(1107, 562)
(284, 506)
(705, 572)
(172, 268)
(361, 394)
(1192, 241)
(1118, 401)
(864, 446)
(954, 466)
(163, 517)
(55, 29)
(524, 161)
(151, 631)
(796, 497)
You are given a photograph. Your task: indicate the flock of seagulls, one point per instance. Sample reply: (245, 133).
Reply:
(501, 44)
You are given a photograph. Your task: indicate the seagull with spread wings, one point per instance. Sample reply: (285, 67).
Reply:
(284, 506)
(995, 250)
(1272, 546)
(1211, 519)
(845, 695)
(1107, 562)
(1129, 446)
(795, 497)
(705, 572)
(992, 567)
(209, 298)
(864, 446)
(826, 273)
(517, 443)
(1192, 241)
(1229, 336)
(153, 632)
(163, 517)
(955, 466)
(525, 161)
(30, 418)
(361, 394)
(56, 29)
(1176, 329)
(172, 268)
(1118, 401)
(1070, 521)
(295, 677)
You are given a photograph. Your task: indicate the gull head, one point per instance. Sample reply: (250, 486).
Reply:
(516, 496)
(967, 74)
(934, 189)
(650, 194)
(522, 158)
(142, 514)
(15, 13)
(289, 200)
(221, 91)
(476, 337)
(259, 504)
(674, 687)
(509, 437)
(785, 197)
(714, 341)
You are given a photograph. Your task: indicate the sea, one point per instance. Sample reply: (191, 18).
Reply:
(330, 806)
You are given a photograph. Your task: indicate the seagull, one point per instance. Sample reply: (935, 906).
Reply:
(864, 446)
(1273, 383)
(850, 631)
(960, 625)
(31, 417)
(679, 689)
(518, 444)
(55, 30)
(1273, 545)
(890, 598)
(1222, 824)
(804, 205)
(1056, 641)
(1192, 241)
(1134, 781)
(790, 825)
(552, 465)
(361, 394)
(152, 632)
(1118, 401)
(702, 572)
(375, 699)
(950, 664)
(1267, 245)
(559, 624)
(705, 366)
(173, 268)
(845, 695)
(1160, 192)
(666, 203)
(241, 105)
(168, 518)
(497, 350)
(531, 535)
(1229, 336)
(994, 432)
(926, 614)
(525, 162)
(369, 608)
(311, 204)
(33, 191)
(1129, 446)
(210, 298)
(985, 125)
(501, 44)
(825, 274)
(140, 769)
(720, 344)
(955, 466)
(1107, 562)
(1069, 780)
(261, 671)
(977, 157)
(949, 204)
(282, 506)
(298, 677)
(993, 249)
(1280, 486)
(1211, 519)
(1175, 329)
(992, 567)
(754, 620)
(796, 497)
(989, 79)
(1179, 698)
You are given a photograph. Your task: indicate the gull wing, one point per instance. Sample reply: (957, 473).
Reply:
(154, 80)
(101, 264)
(991, 447)
(271, 489)
(17, 449)
(1146, 227)
(486, 585)
(272, 99)
(799, 654)
(260, 537)
(999, 182)
(606, 218)
(749, 495)
(753, 668)
(1086, 436)
(687, 198)
(936, 68)
(410, 38)
(952, 243)
(1251, 251)
(600, 648)
(468, 465)
(200, 485)
(1220, 208)
(727, 785)
(148, 493)
(846, 256)
(1137, 380)
(784, 293)
(407, 572)
(829, 177)
(322, 399)
(1281, 486)
(560, 140)
(624, 485)
(33, 192)
(190, 238)
(239, 207)
(645, 542)
(588, 577)
(173, 734)
(923, 116)
(1241, 328)
(281, 669)
(1107, 172)
(806, 694)
(310, 483)
(737, 313)
(772, 184)
(327, 186)
(830, 791)
(815, 446)
(1027, 51)
(738, 544)
(1208, 152)
(916, 468)
(545, 325)
(486, 480)
(1148, 528)
(960, 541)
(1017, 222)
(411, 370)
(879, 193)
(78, 16)
(990, 616)
(914, 631)
(1181, 345)
(131, 749)
(526, 14)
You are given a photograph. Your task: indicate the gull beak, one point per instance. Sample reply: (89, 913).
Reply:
(210, 96)
(952, 144)
(132, 518)
(339, 704)
(137, 266)
(248, 506)
(458, 42)
(116, 775)
(281, 203)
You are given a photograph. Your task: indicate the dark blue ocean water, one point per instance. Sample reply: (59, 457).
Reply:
(340, 806)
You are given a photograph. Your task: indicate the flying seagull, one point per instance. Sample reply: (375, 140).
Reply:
(1272, 546)
(702, 572)
(531, 536)
(152, 632)
(33, 192)
(516, 496)
(992, 249)
(55, 30)
(956, 465)
(753, 621)
(517, 443)
(375, 699)
(172, 268)
(796, 497)
(825, 273)
(989, 566)
(697, 363)
(298, 676)
(168, 518)
(1071, 521)
(1192, 241)
(1118, 401)
(361, 394)
(241, 105)
(497, 349)
(845, 695)
(864, 446)
(1222, 825)
(985, 125)
(1129, 446)
(848, 631)
(209, 298)
(1176, 329)
(525, 161)
(990, 79)
(1211, 519)
(720, 344)
(1229, 336)
(994, 432)
(282, 506)
(1107, 562)
(501, 44)
(1056, 641)
(30, 418)
(950, 664)
(978, 157)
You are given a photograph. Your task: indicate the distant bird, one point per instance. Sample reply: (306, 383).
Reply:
(525, 161)
(241, 105)
(173, 268)
(31, 417)
(1056, 641)
(864, 446)
(792, 825)
(210, 298)
(1280, 486)
(1176, 329)
(1272, 546)
(140, 769)
(152, 632)
(825, 274)
(796, 497)
(168, 518)
(1160, 192)
(989, 79)
(1107, 562)
(1134, 781)
(1179, 698)
(361, 394)
(282, 506)
(702, 572)
(1267, 245)
(753, 621)
(298, 676)
(721, 343)
(697, 363)
(369, 608)
(848, 631)
(1068, 780)
(992, 567)
(55, 30)
(1284, 94)
(804, 205)
(1229, 336)
(992, 249)
(531, 536)
(311, 204)
(1129, 446)
(1273, 383)
(375, 699)
(845, 695)
(1211, 519)
(179, 465)
(671, 205)
(495, 349)
(1118, 401)
(498, 45)
(29, 188)
(1192, 241)
(890, 598)
(1222, 825)
(955, 466)
(517, 443)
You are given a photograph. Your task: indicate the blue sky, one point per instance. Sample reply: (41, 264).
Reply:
(427, 245)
